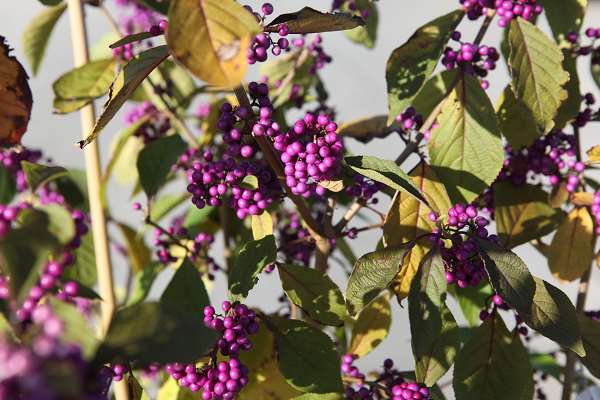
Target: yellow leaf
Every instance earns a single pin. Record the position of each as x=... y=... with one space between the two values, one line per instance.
x=15 y=98
x=211 y=38
x=372 y=326
x=408 y=219
x=333 y=186
x=262 y=225
x=582 y=199
x=593 y=155
x=571 y=250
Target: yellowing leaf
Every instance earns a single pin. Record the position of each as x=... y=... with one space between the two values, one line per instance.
x=571 y=248
x=582 y=199
x=408 y=219
x=15 y=97
x=372 y=326
x=268 y=383
x=262 y=225
x=593 y=155
x=211 y=38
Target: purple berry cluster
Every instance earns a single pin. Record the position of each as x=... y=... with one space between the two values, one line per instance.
x=588 y=113
x=596 y=211
x=155 y=126
x=251 y=184
x=409 y=120
x=296 y=244
x=138 y=19
x=477 y=60
x=54 y=269
x=223 y=379
x=363 y=189
x=497 y=303
x=390 y=381
x=551 y=157
x=8 y=215
x=11 y=160
x=463 y=264
x=590 y=49
x=28 y=369
x=177 y=235
x=311 y=153
x=506 y=10
x=262 y=42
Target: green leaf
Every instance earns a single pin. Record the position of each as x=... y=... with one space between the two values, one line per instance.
x=262 y=225
x=516 y=121
x=367 y=34
x=136 y=391
x=372 y=273
x=309 y=20
x=138 y=253
x=595 y=69
x=73 y=187
x=572 y=247
x=590 y=331
x=538 y=77
x=87 y=82
x=201 y=220
x=37 y=175
x=493 y=365
x=128 y=79
x=165 y=204
x=50 y=2
x=472 y=300
x=547 y=364
x=466 y=149
x=84 y=269
x=76 y=329
x=386 y=172
x=411 y=64
x=564 y=16
x=523 y=214
x=435 y=90
x=372 y=326
x=60 y=223
x=434 y=331
x=136 y=37
x=142 y=282
x=161 y=6
x=8 y=186
x=250 y=261
x=124 y=151
x=542 y=306
x=37 y=34
x=156 y=160
x=186 y=290
x=215 y=50
x=307 y=357
x=145 y=333
x=314 y=292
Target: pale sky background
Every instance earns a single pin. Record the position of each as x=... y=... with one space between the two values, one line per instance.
x=357 y=88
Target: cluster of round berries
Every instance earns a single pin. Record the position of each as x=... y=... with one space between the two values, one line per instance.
x=221 y=380
x=155 y=126
x=259 y=48
x=461 y=260
x=587 y=114
x=177 y=235
x=363 y=189
x=138 y=19
x=28 y=369
x=8 y=215
x=476 y=60
x=579 y=49
x=296 y=244
x=396 y=387
x=596 y=211
x=507 y=10
x=11 y=160
x=54 y=270
x=311 y=153
x=551 y=156
x=409 y=120
x=118 y=371
x=70 y=294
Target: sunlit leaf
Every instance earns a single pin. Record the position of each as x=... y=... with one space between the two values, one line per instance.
x=571 y=251
x=372 y=326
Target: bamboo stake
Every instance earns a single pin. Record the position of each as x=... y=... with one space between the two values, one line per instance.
x=79 y=42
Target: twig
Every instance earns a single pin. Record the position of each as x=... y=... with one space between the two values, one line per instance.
x=93 y=175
